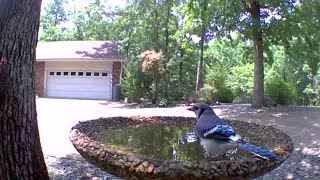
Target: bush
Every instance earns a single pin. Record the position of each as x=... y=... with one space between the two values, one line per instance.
x=206 y=94
x=241 y=83
x=215 y=89
x=163 y=102
x=281 y=92
x=225 y=95
x=211 y=95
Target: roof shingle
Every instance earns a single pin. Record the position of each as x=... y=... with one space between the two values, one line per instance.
x=78 y=50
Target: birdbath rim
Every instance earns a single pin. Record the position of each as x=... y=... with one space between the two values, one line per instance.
x=84 y=138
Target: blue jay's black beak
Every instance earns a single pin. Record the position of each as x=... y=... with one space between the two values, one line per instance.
x=190 y=109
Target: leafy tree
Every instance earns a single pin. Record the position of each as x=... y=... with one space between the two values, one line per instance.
x=52 y=22
x=146 y=33
x=302 y=51
x=280 y=36
x=153 y=62
x=223 y=57
x=92 y=22
x=253 y=20
x=242 y=82
x=129 y=31
x=197 y=23
x=21 y=156
x=228 y=52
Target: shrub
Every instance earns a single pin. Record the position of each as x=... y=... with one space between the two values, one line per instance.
x=211 y=95
x=225 y=95
x=206 y=94
x=281 y=92
x=162 y=102
x=241 y=83
x=215 y=88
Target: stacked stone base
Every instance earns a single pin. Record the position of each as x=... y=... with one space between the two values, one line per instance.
x=84 y=138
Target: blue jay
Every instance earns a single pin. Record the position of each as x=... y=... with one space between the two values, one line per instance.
x=217 y=136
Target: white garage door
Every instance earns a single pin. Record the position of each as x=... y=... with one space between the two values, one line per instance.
x=79 y=84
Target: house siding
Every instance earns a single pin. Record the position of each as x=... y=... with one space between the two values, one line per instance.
x=39 y=78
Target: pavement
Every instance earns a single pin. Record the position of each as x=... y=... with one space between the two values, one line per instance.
x=57 y=116
x=302 y=126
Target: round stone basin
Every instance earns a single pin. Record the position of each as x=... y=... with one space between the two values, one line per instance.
x=167 y=148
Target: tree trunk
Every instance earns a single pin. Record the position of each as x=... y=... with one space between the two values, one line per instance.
x=258 y=91
x=180 y=76
x=21 y=155
x=166 y=49
x=199 y=81
x=200 y=68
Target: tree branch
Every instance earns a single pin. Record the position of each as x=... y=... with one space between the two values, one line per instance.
x=245 y=6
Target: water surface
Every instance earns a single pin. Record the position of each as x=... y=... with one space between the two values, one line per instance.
x=161 y=141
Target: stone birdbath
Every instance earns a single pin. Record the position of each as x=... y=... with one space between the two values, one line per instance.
x=94 y=140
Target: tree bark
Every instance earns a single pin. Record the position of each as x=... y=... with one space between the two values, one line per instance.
x=166 y=49
x=21 y=155
x=199 y=81
x=258 y=91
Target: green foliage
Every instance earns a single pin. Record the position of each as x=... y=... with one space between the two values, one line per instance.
x=135 y=83
x=226 y=95
x=206 y=94
x=52 y=22
x=211 y=95
x=215 y=88
x=281 y=92
x=228 y=52
x=129 y=85
x=163 y=102
x=91 y=22
x=241 y=82
x=291 y=46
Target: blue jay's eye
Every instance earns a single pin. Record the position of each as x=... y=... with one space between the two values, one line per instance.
x=195 y=107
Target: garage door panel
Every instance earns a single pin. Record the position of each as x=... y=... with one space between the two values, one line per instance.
x=79 y=94
x=96 y=87
x=77 y=89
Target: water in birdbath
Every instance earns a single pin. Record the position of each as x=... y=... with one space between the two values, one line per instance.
x=162 y=141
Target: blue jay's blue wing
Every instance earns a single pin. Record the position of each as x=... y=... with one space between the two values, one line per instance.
x=221 y=132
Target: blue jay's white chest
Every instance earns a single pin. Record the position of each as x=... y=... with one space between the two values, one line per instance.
x=216 y=147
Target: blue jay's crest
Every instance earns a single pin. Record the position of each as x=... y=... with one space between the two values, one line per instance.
x=219 y=136
x=200 y=107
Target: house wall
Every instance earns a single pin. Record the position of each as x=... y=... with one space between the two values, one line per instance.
x=39 y=78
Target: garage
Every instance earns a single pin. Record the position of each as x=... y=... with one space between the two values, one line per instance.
x=79 y=84
x=79 y=79
x=78 y=69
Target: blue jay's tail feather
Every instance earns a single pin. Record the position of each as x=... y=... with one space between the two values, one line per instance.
x=263 y=153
